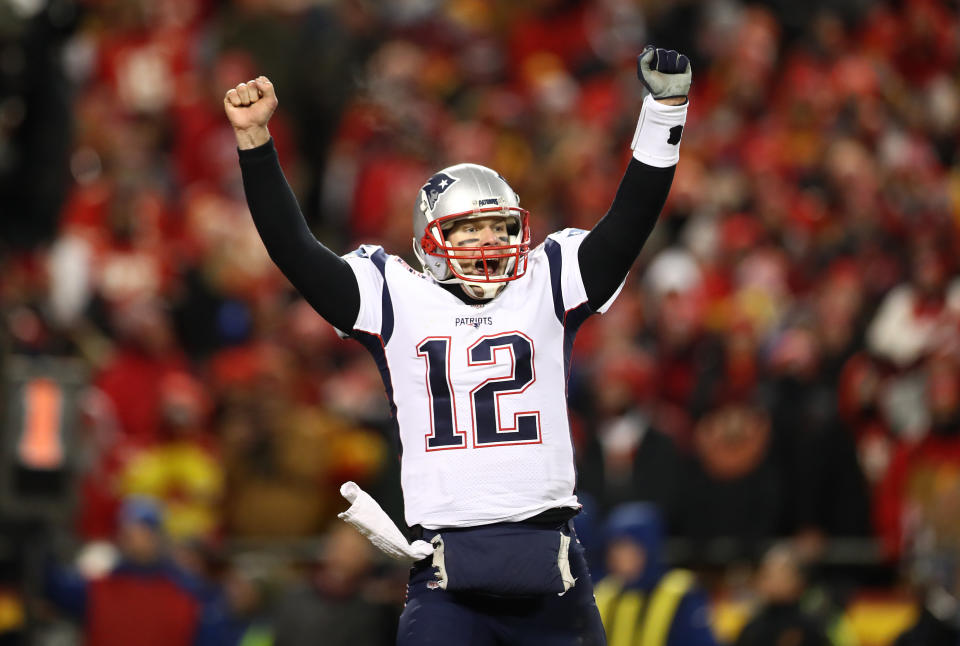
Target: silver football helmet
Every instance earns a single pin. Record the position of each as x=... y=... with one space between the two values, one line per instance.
x=462 y=192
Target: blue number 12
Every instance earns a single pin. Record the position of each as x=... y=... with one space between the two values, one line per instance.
x=488 y=428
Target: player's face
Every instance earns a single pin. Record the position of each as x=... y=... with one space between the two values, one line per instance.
x=478 y=232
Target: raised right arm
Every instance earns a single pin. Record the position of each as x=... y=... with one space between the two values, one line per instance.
x=322 y=277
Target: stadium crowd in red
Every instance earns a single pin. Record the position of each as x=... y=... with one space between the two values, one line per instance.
x=785 y=362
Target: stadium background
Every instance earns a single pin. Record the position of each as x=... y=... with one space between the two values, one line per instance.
x=784 y=362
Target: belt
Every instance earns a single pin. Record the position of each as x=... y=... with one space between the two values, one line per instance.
x=552 y=516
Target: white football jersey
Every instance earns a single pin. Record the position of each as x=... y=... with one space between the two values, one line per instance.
x=478 y=391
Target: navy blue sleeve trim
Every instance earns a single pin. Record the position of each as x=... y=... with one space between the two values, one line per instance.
x=571 y=323
x=555 y=261
x=379 y=259
x=375 y=346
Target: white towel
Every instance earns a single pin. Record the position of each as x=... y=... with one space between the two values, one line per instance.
x=370 y=519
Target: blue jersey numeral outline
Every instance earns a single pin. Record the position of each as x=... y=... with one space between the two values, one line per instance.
x=488 y=427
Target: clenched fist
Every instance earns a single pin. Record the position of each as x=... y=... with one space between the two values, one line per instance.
x=665 y=73
x=249 y=107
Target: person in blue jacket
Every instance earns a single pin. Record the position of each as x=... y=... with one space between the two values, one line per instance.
x=145 y=598
x=641 y=600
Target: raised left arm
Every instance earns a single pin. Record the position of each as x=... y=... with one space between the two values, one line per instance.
x=609 y=250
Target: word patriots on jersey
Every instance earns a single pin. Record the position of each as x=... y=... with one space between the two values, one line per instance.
x=475 y=321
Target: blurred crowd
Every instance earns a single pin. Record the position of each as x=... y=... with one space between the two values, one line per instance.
x=783 y=363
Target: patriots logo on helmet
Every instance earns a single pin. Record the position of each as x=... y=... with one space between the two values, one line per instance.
x=434 y=187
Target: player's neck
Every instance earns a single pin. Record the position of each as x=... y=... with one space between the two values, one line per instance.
x=457 y=290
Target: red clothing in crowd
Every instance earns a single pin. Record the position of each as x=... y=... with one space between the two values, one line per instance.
x=916 y=476
x=132 y=382
x=147 y=610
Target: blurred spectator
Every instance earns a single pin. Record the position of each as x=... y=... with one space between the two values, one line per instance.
x=933 y=557
x=823 y=480
x=732 y=486
x=641 y=600
x=284 y=461
x=143 y=599
x=781 y=583
x=682 y=346
x=922 y=314
x=340 y=604
x=145 y=355
x=920 y=470
x=785 y=353
x=35 y=120
x=182 y=470
x=238 y=616
x=625 y=457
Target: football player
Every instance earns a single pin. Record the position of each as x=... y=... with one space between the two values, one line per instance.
x=474 y=351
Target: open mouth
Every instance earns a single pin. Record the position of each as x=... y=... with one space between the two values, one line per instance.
x=492 y=266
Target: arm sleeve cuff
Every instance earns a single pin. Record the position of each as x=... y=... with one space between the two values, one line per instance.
x=657 y=139
x=260 y=153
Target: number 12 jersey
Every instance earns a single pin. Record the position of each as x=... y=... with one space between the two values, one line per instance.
x=478 y=391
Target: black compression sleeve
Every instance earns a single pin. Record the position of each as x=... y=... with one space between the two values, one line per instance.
x=323 y=278
x=609 y=250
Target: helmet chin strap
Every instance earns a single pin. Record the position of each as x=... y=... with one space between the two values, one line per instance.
x=482 y=291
